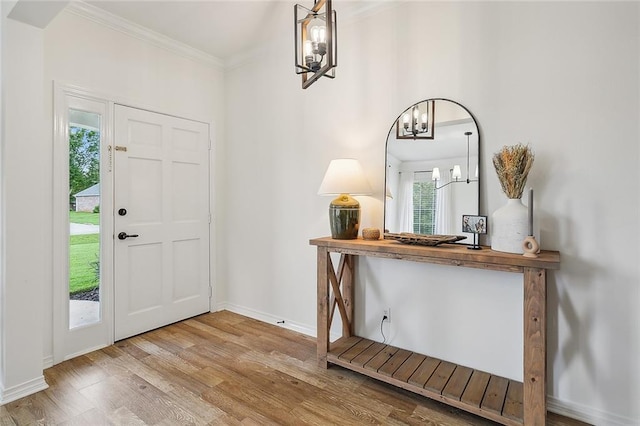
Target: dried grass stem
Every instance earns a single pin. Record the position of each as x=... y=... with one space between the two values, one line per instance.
x=512 y=164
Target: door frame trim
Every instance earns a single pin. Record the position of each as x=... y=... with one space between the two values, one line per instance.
x=66 y=97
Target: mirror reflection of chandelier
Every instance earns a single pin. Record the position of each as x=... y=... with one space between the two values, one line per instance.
x=456 y=172
x=417 y=122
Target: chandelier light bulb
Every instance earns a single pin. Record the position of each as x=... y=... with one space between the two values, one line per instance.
x=322 y=34
x=319 y=34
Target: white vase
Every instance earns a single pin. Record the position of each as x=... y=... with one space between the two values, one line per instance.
x=509 y=227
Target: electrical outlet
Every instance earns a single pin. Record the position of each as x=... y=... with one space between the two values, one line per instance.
x=386 y=314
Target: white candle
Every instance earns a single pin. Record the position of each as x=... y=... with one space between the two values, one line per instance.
x=531 y=211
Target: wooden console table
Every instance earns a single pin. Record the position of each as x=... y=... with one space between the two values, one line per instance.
x=502 y=400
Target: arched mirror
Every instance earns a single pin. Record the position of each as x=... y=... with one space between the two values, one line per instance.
x=432 y=175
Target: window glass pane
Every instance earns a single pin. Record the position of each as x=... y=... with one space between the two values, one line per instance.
x=84 y=218
x=424 y=207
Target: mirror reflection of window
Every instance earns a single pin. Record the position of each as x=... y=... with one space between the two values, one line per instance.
x=424 y=204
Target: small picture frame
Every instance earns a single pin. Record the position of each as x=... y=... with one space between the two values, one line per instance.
x=474 y=225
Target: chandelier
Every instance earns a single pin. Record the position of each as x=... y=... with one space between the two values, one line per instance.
x=315 y=41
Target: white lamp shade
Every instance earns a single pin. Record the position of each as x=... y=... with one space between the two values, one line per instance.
x=344 y=176
x=457 y=173
x=435 y=174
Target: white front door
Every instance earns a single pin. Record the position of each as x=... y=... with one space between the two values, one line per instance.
x=161 y=225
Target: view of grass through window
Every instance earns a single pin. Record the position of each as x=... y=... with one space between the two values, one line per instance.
x=84 y=255
x=84 y=206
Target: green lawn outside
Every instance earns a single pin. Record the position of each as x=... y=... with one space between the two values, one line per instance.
x=84 y=218
x=83 y=251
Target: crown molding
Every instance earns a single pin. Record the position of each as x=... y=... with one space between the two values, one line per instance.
x=131 y=29
x=351 y=11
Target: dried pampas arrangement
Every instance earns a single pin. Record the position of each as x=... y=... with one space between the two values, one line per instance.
x=512 y=165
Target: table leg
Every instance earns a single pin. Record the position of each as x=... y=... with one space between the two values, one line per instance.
x=535 y=347
x=323 y=307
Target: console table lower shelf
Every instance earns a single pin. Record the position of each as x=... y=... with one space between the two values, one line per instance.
x=475 y=391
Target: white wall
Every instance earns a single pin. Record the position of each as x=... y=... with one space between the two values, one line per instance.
x=23 y=212
x=560 y=76
x=77 y=51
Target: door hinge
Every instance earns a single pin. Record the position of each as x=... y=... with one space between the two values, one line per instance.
x=121 y=148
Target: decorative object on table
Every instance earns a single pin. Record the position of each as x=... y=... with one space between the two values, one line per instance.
x=371 y=234
x=474 y=225
x=344 y=177
x=422 y=239
x=315 y=37
x=530 y=246
x=509 y=223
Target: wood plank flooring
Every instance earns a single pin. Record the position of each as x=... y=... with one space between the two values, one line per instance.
x=222 y=369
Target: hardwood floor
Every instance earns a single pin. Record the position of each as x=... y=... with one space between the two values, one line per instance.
x=222 y=368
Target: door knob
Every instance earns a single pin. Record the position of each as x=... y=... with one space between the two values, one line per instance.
x=124 y=236
x=122 y=212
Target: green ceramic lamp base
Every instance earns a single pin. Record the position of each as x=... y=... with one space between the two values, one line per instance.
x=344 y=217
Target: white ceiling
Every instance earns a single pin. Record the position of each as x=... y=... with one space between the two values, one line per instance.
x=224 y=29
x=221 y=28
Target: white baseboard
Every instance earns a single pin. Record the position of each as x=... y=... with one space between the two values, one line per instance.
x=47 y=362
x=268 y=318
x=20 y=391
x=588 y=414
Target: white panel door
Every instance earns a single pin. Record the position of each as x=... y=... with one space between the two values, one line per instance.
x=161 y=204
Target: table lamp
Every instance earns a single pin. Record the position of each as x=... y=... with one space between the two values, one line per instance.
x=344 y=177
